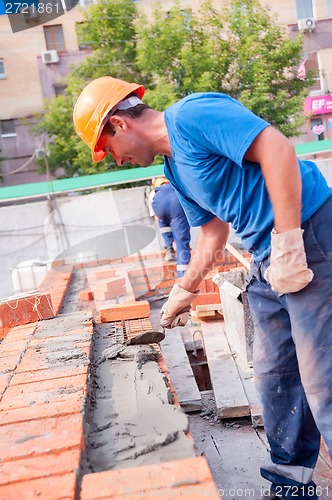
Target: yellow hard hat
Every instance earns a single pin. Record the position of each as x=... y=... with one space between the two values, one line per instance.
x=93 y=106
x=158 y=181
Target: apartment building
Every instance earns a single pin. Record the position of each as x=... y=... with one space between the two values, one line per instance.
x=35 y=61
x=33 y=66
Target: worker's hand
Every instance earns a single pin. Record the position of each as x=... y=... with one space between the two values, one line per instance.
x=175 y=311
x=288 y=271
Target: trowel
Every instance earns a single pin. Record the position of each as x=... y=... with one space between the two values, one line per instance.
x=149 y=337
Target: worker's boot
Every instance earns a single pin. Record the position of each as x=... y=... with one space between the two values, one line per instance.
x=170 y=254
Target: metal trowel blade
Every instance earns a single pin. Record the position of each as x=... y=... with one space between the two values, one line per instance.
x=151 y=337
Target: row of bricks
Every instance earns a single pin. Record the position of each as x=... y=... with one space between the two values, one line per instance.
x=42 y=444
x=41 y=421
x=189 y=477
x=150 y=281
x=58 y=264
x=32 y=307
x=45 y=402
x=142 y=281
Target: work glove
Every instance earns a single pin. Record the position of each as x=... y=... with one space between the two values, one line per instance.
x=175 y=311
x=288 y=271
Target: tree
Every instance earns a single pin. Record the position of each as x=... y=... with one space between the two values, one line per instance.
x=263 y=73
x=243 y=51
x=108 y=28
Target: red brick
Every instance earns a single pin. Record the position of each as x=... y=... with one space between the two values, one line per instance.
x=205 y=298
x=35 y=360
x=125 y=311
x=49 y=488
x=139 y=289
x=104 y=273
x=10 y=363
x=43 y=392
x=166 y=284
x=191 y=475
x=38 y=467
x=12 y=347
x=24 y=310
x=36 y=412
x=86 y=295
x=111 y=294
x=210 y=286
x=49 y=333
x=23 y=332
x=4 y=382
x=110 y=284
x=26 y=439
x=56 y=371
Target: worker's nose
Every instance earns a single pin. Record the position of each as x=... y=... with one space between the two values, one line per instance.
x=118 y=160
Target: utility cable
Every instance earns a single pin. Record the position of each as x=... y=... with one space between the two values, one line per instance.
x=23 y=166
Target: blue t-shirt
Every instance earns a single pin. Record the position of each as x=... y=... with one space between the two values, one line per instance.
x=209 y=135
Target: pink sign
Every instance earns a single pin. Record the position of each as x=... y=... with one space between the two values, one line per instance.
x=318 y=105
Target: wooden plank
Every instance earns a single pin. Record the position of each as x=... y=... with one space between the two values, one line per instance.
x=180 y=371
x=230 y=397
x=246 y=375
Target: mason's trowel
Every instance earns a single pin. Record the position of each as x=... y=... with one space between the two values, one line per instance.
x=150 y=337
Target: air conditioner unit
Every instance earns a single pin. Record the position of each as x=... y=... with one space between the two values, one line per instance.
x=50 y=56
x=306 y=24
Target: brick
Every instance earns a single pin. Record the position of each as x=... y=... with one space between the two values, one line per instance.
x=35 y=412
x=205 y=298
x=56 y=371
x=191 y=475
x=34 y=360
x=68 y=341
x=43 y=392
x=110 y=284
x=27 y=439
x=38 y=467
x=104 y=273
x=110 y=294
x=23 y=332
x=165 y=284
x=120 y=312
x=4 y=382
x=55 y=334
x=24 y=310
x=9 y=363
x=86 y=295
x=12 y=347
x=50 y=488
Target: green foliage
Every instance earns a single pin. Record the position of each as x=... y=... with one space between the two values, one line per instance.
x=264 y=66
x=242 y=51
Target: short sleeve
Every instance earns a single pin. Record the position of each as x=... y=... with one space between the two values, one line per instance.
x=219 y=124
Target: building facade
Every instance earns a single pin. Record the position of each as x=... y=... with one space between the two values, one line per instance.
x=34 y=63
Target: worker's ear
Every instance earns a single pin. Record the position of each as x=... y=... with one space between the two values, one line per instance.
x=118 y=122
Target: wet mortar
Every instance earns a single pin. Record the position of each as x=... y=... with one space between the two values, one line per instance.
x=233 y=449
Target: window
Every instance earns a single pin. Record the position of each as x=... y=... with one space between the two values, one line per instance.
x=313 y=63
x=329 y=7
x=54 y=38
x=304 y=9
x=82 y=45
x=59 y=89
x=7 y=128
x=2 y=69
x=318 y=129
